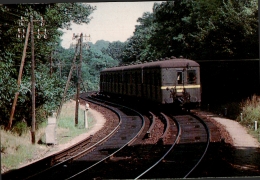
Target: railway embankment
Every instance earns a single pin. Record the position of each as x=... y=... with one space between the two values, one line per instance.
x=246 y=148
x=17 y=151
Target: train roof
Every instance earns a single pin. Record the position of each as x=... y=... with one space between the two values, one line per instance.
x=176 y=62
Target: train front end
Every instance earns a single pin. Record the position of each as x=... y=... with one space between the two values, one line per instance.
x=181 y=83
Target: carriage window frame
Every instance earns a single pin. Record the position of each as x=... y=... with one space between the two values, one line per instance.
x=179 y=78
x=191 y=76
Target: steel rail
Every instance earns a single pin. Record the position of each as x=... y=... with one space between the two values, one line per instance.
x=148 y=133
x=208 y=141
x=176 y=140
x=128 y=143
x=88 y=149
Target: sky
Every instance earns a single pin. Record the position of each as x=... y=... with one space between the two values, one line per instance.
x=111 y=21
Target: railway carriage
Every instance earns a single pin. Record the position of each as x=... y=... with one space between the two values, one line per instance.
x=172 y=80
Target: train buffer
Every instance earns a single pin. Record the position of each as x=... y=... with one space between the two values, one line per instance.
x=50 y=131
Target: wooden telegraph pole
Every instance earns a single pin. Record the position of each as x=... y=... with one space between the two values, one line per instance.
x=79 y=81
x=19 y=78
x=42 y=22
x=29 y=29
x=79 y=78
x=68 y=80
x=33 y=82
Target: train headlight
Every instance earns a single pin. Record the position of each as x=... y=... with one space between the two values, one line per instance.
x=193 y=99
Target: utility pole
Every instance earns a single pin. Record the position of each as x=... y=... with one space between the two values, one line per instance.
x=33 y=73
x=79 y=80
x=20 y=75
x=33 y=82
x=42 y=22
x=68 y=80
x=21 y=34
x=79 y=77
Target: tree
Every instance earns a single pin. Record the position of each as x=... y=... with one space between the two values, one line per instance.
x=115 y=49
x=47 y=88
x=202 y=29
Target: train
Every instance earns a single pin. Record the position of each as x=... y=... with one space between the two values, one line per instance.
x=165 y=81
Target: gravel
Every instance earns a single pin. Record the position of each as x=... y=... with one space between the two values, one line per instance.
x=239 y=152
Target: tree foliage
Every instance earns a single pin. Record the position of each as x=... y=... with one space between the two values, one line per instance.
x=202 y=29
x=49 y=88
x=95 y=59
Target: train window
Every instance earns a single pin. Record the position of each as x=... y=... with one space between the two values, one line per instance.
x=133 y=78
x=157 y=80
x=125 y=78
x=191 y=77
x=130 y=78
x=144 y=78
x=137 y=78
x=180 y=77
x=115 y=78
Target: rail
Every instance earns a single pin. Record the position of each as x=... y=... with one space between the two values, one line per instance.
x=206 y=149
x=86 y=150
x=126 y=144
x=148 y=133
x=169 y=150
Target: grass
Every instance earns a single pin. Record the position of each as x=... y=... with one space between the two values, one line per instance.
x=251 y=113
x=250 y=109
x=17 y=149
x=66 y=123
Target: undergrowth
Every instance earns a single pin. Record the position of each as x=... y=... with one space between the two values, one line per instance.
x=66 y=123
x=250 y=112
x=16 y=146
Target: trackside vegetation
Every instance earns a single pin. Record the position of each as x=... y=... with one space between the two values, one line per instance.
x=198 y=30
x=250 y=113
x=52 y=61
x=246 y=112
x=16 y=148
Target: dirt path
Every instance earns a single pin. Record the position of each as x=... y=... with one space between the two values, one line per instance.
x=238 y=133
x=247 y=149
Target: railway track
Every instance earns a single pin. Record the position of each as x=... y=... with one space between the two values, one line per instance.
x=137 y=158
x=141 y=160
x=152 y=145
x=187 y=153
x=60 y=159
x=129 y=120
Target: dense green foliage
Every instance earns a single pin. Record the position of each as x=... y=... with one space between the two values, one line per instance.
x=49 y=88
x=95 y=57
x=202 y=29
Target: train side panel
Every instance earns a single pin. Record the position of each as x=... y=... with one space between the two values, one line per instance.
x=162 y=82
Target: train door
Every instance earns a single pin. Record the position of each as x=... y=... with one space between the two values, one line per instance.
x=180 y=79
x=157 y=85
x=121 y=82
x=139 y=83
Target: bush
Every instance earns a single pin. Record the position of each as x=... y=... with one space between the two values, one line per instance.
x=20 y=128
x=40 y=116
x=250 y=111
